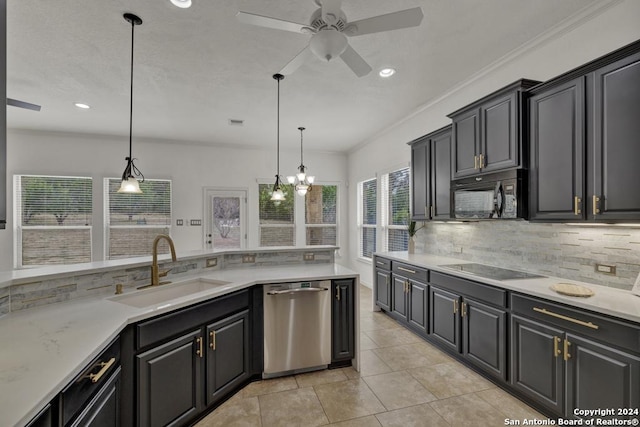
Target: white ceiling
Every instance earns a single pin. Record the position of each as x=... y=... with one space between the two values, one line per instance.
x=197 y=68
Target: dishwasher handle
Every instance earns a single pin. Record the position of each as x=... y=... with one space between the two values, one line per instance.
x=292 y=291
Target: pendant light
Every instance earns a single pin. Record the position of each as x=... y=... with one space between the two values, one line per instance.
x=277 y=195
x=131 y=174
x=302 y=181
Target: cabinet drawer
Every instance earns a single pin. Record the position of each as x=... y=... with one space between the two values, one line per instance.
x=383 y=263
x=618 y=333
x=83 y=387
x=172 y=324
x=411 y=272
x=469 y=288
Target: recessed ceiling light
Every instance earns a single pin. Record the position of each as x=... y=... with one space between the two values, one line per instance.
x=387 y=72
x=182 y=3
x=81 y=105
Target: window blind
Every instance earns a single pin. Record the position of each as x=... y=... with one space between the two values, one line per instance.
x=396 y=209
x=367 y=198
x=321 y=215
x=132 y=221
x=276 y=223
x=53 y=219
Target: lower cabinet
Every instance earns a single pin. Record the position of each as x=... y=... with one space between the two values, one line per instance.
x=445 y=321
x=44 y=418
x=382 y=285
x=343 y=320
x=562 y=371
x=410 y=296
x=104 y=408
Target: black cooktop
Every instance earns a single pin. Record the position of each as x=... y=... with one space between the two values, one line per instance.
x=490 y=272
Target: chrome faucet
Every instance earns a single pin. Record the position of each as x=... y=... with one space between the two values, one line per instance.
x=155 y=273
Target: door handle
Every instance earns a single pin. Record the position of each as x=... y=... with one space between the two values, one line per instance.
x=567 y=356
x=212 y=340
x=455 y=306
x=596 y=199
x=556 y=345
x=199 y=350
x=483 y=161
x=475 y=162
x=576 y=205
x=338 y=293
x=464 y=309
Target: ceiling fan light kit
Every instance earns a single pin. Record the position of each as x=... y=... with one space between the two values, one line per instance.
x=182 y=4
x=131 y=177
x=329 y=29
x=277 y=195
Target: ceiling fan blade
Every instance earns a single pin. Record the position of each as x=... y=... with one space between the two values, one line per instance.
x=354 y=61
x=22 y=104
x=297 y=61
x=391 y=21
x=268 y=22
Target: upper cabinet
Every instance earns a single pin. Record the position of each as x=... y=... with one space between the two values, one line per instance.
x=431 y=176
x=584 y=151
x=488 y=134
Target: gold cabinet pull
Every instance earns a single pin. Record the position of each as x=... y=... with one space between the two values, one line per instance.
x=104 y=367
x=475 y=162
x=379 y=262
x=567 y=356
x=464 y=309
x=556 y=346
x=432 y=212
x=576 y=205
x=407 y=270
x=455 y=306
x=596 y=199
x=199 y=351
x=482 y=161
x=212 y=340
x=567 y=318
x=338 y=293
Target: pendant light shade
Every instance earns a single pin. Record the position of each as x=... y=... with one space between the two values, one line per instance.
x=131 y=177
x=277 y=195
x=302 y=181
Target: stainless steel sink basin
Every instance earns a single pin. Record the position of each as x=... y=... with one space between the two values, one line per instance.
x=164 y=293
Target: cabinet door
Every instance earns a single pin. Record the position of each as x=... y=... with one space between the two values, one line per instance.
x=104 y=408
x=417 y=306
x=227 y=355
x=399 y=297
x=616 y=147
x=420 y=181
x=466 y=140
x=170 y=382
x=44 y=418
x=343 y=320
x=499 y=142
x=383 y=289
x=484 y=337
x=444 y=320
x=536 y=362
x=600 y=377
x=440 y=161
x=557 y=153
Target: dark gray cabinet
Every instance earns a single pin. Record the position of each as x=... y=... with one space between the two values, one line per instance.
x=343 y=320
x=584 y=150
x=399 y=286
x=44 y=418
x=431 y=176
x=444 y=324
x=488 y=134
x=104 y=408
x=382 y=285
x=410 y=296
x=170 y=381
x=227 y=358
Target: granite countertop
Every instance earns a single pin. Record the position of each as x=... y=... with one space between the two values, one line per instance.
x=610 y=301
x=44 y=348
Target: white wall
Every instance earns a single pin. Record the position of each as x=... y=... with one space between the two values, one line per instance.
x=190 y=167
x=582 y=40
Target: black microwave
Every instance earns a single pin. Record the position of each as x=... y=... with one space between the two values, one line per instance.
x=500 y=195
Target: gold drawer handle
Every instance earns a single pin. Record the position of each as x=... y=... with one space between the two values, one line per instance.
x=567 y=318
x=380 y=263
x=407 y=270
x=105 y=367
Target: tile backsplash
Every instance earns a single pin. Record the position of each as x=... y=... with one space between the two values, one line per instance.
x=559 y=250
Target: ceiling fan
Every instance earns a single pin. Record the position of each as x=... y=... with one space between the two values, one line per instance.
x=329 y=30
x=22 y=104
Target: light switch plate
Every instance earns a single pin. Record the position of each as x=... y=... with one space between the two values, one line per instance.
x=196 y=222
x=606 y=269
x=248 y=258
x=179 y=222
x=211 y=262
x=309 y=256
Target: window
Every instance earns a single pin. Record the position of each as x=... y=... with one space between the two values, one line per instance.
x=367 y=217
x=395 y=210
x=277 y=223
x=132 y=221
x=53 y=220
x=321 y=215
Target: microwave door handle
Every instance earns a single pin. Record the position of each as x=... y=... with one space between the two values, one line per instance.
x=500 y=199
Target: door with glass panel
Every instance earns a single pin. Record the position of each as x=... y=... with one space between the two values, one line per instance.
x=225 y=226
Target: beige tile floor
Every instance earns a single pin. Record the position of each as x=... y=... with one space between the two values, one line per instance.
x=403 y=382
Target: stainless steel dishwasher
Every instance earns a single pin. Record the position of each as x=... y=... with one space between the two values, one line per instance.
x=297 y=327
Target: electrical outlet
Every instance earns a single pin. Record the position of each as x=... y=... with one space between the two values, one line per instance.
x=211 y=262
x=248 y=258
x=606 y=269
x=195 y=222
x=179 y=222
x=309 y=256
x=457 y=249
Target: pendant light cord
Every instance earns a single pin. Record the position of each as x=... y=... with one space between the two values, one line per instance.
x=278 y=135
x=131 y=97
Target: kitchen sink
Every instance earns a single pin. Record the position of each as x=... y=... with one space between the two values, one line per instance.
x=164 y=293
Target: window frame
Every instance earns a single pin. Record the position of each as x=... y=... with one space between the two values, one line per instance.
x=294 y=225
x=385 y=206
x=360 y=222
x=336 y=225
